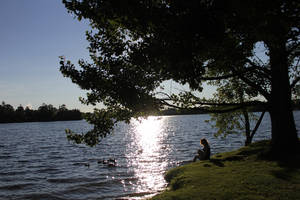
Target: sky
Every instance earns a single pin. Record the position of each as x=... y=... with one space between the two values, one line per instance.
x=33 y=34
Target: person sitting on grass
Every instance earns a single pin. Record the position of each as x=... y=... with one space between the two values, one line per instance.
x=203 y=154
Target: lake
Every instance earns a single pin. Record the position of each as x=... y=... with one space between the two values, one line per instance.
x=37 y=161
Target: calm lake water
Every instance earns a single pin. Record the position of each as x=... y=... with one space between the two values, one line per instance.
x=37 y=161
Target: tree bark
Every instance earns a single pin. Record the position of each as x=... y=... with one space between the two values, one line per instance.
x=284 y=134
x=247 y=128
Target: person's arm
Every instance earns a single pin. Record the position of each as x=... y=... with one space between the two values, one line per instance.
x=200 y=153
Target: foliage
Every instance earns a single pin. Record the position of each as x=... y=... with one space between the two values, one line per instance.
x=44 y=113
x=136 y=45
x=241 y=174
x=239 y=121
x=7 y=112
x=229 y=123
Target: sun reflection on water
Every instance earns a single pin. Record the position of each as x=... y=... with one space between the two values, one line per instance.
x=149 y=155
x=147 y=132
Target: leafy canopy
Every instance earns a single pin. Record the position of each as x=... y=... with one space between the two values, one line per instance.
x=136 y=45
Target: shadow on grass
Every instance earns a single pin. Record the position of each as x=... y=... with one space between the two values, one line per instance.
x=289 y=164
x=255 y=150
x=217 y=162
x=258 y=149
x=289 y=167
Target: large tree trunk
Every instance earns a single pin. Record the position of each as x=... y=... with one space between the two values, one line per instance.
x=284 y=135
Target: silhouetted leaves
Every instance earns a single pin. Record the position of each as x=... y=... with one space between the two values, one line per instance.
x=136 y=45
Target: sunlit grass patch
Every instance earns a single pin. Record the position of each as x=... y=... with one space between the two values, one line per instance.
x=241 y=174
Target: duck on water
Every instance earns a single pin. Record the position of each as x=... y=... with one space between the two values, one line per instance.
x=111 y=162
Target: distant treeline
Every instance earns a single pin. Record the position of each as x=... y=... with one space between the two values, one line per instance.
x=44 y=113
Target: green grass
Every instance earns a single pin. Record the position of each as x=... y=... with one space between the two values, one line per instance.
x=241 y=174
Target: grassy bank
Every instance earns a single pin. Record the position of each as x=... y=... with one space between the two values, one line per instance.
x=241 y=174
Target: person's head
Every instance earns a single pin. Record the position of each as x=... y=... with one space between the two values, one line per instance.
x=203 y=142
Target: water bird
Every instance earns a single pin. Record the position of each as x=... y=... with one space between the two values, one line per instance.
x=140 y=151
x=111 y=162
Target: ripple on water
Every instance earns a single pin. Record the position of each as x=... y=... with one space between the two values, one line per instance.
x=55 y=157
x=136 y=195
x=23 y=161
x=13 y=173
x=78 y=189
x=49 y=171
x=71 y=180
x=4 y=157
x=43 y=196
x=19 y=186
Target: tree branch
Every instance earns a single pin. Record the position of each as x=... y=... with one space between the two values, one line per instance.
x=255 y=86
x=233 y=106
x=258 y=123
x=228 y=75
x=247 y=103
x=265 y=72
x=213 y=78
x=296 y=80
x=165 y=94
x=293 y=47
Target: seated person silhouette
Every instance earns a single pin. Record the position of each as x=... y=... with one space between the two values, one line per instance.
x=203 y=154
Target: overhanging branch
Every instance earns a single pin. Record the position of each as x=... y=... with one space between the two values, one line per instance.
x=295 y=81
x=228 y=75
x=256 y=87
x=247 y=103
x=231 y=106
x=263 y=71
x=292 y=48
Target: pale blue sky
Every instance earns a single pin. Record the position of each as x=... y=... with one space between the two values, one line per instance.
x=33 y=34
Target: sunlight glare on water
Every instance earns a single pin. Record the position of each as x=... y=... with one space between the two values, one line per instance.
x=148 y=131
x=150 y=161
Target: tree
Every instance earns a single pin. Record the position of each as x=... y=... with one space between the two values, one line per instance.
x=30 y=115
x=61 y=113
x=20 y=114
x=7 y=113
x=64 y=114
x=239 y=121
x=136 y=45
x=46 y=112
